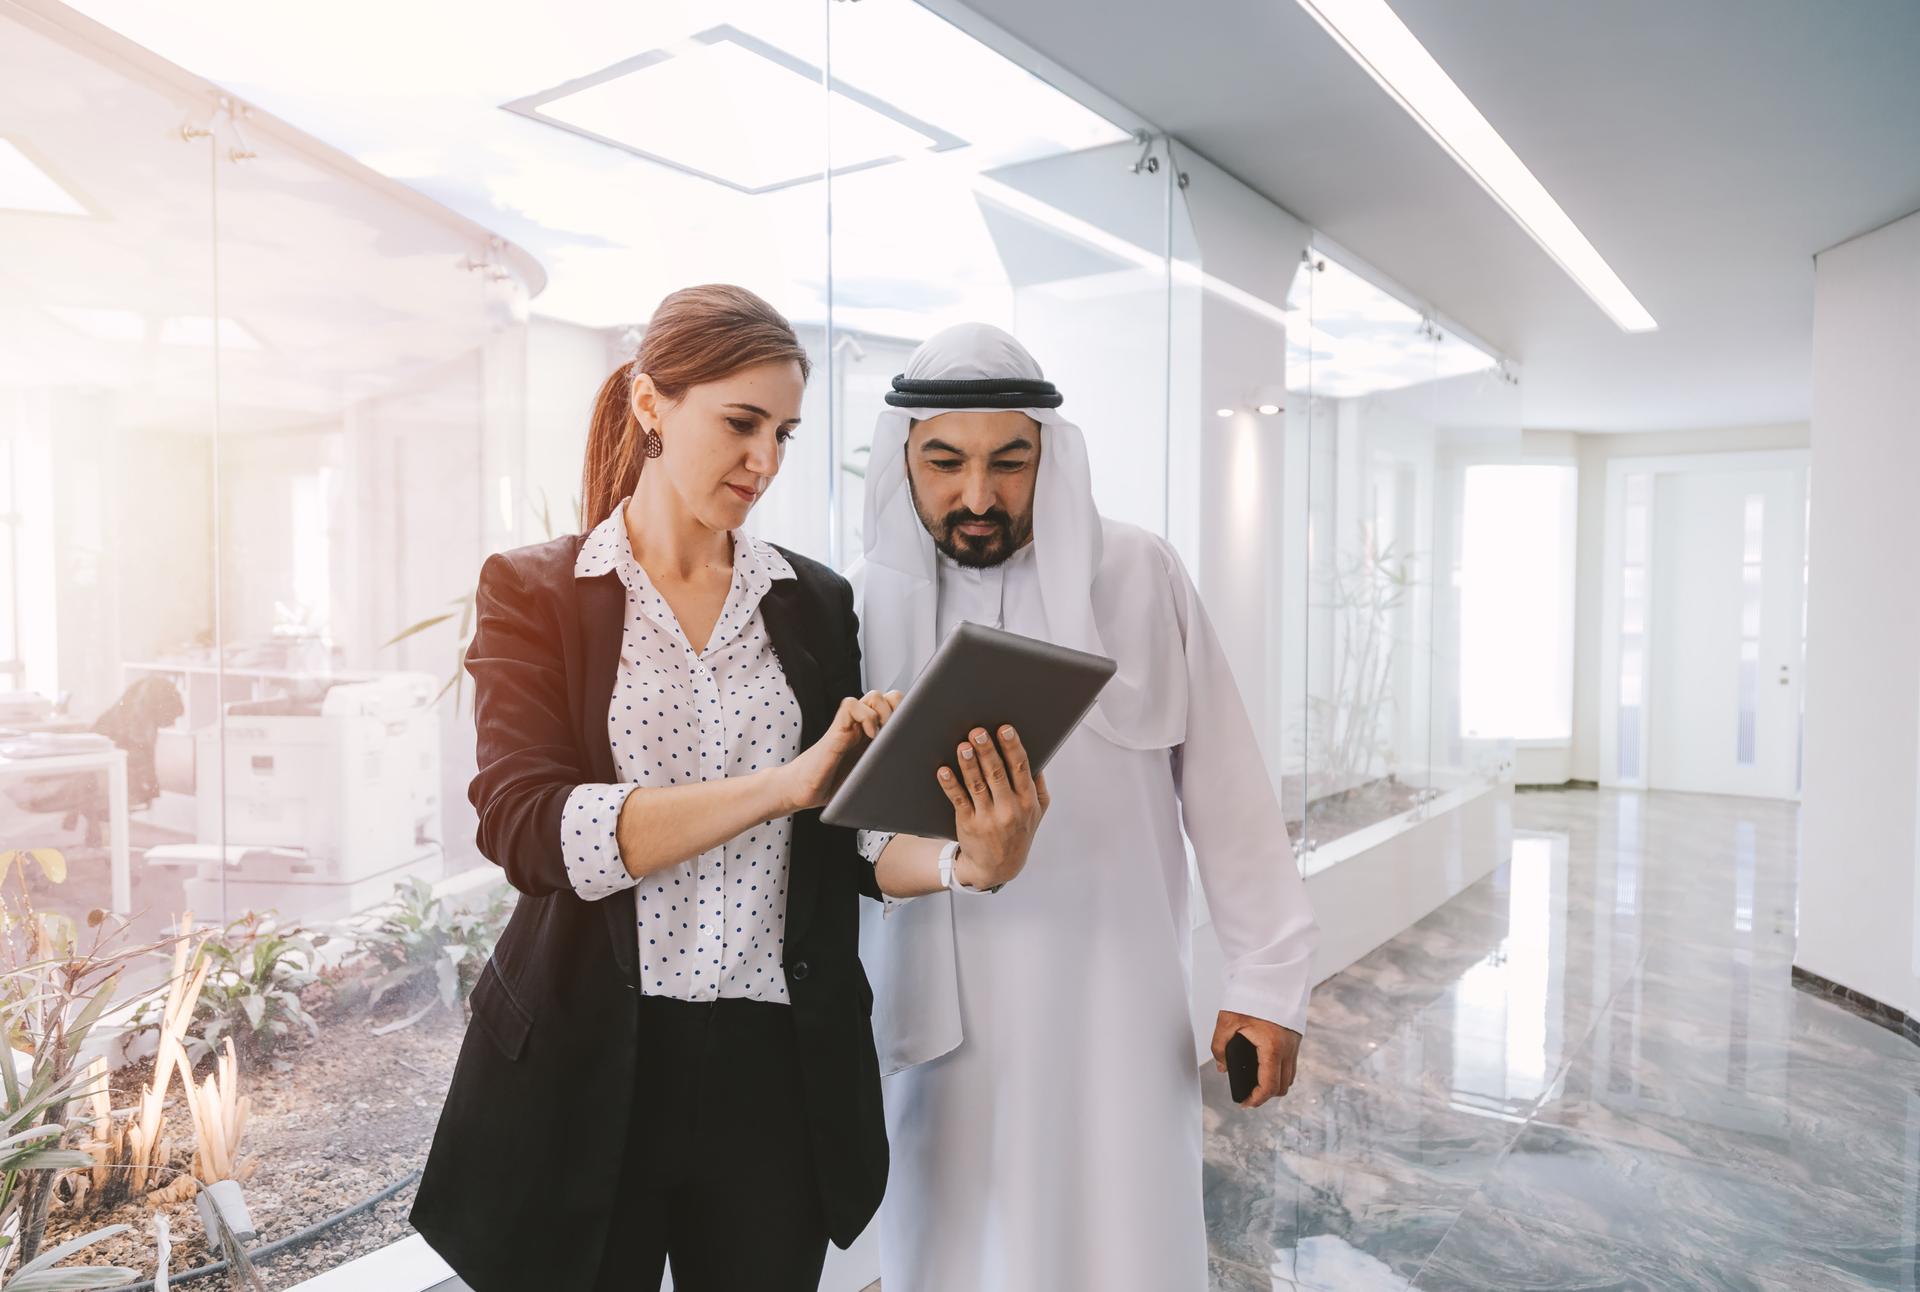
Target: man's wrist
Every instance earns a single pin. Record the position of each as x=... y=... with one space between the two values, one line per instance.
x=966 y=872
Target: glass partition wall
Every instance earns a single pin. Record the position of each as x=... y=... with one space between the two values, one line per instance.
x=1387 y=410
x=261 y=411
x=257 y=405
x=264 y=410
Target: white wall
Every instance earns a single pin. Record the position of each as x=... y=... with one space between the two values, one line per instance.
x=1580 y=760
x=1858 y=920
x=565 y=365
x=1240 y=482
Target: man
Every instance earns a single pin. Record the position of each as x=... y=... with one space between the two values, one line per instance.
x=1043 y=1105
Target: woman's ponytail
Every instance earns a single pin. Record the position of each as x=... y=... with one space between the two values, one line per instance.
x=613 y=449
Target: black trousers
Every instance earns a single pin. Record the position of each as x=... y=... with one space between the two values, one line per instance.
x=719 y=1176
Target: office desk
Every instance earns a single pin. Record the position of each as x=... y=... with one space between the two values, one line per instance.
x=114 y=763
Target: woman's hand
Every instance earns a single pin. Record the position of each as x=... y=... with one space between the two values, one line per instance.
x=997 y=805
x=810 y=779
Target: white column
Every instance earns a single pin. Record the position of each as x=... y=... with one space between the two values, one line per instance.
x=1859 y=895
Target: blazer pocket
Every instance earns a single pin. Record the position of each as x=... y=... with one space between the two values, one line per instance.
x=499 y=1014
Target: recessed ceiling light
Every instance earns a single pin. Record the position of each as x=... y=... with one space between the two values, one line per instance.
x=24 y=186
x=1376 y=38
x=1268 y=410
x=1223 y=412
x=734 y=109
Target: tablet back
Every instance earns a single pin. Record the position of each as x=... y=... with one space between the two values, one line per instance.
x=979 y=677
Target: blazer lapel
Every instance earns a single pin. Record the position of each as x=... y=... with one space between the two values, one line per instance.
x=783 y=609
x=603 y=622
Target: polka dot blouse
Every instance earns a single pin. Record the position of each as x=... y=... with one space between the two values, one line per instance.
x=712 y=926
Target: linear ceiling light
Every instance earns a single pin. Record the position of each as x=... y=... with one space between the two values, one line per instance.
x=1376 y=38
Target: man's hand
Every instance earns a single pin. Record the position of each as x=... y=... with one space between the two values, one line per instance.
x=1279 y=1049
x=997 y=805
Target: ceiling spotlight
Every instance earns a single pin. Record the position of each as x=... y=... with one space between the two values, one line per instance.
x=1268 y=410
x=1223 y=412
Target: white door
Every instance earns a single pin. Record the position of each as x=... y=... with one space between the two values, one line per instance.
x=1726 y=570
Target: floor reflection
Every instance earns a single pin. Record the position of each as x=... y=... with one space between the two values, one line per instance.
x=1590 y=1070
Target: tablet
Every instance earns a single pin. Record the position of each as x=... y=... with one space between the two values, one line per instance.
x=980 y=677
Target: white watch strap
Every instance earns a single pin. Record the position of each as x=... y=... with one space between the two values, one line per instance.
x=948 y=855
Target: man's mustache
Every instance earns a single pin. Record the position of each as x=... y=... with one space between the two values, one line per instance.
x=996 y=517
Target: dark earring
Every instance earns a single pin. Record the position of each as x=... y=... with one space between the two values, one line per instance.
x=654 y=448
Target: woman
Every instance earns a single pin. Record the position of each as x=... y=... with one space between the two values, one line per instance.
x=672 y=1055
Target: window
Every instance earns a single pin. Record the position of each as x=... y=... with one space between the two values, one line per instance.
x=1516 y=618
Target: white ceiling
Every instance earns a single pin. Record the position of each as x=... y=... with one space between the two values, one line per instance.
x=334 y=287
x=421 y=101
x=1707 y=149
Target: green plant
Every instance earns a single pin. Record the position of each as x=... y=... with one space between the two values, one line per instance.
x=1346 y=731
x=424 y=941
x=257 y=972
x=53 y=990
x=219 y=1118
x=143 y=1146
x=32 y=1157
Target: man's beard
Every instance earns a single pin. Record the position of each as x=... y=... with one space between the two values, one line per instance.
x=976 y=551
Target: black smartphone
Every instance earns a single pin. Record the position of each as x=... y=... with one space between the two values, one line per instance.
x=1243 y=1067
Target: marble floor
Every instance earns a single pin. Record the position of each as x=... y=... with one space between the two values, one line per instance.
x=1590 y=1070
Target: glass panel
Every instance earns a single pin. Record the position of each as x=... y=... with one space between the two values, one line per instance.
x=1750 y=601
x=1632 y=699
x=1629 y=741
x=1633 y=623
x=1032 y=218
x=109 y=428
x=1755 y=514
x=1636 y=528
x=1633 y=600
x=1394 y=409
x=9 y=573
x=388 y=414
x=1749 y=700
x=1632 y=678
x=372 y=444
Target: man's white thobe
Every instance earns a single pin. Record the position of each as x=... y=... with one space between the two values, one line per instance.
x=1057 y=1148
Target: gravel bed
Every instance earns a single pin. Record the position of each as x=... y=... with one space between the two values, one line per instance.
x=353 y=1114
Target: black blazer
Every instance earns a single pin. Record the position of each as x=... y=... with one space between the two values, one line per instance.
x=518 y=1187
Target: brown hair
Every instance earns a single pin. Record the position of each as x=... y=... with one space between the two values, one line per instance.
x=697 y=335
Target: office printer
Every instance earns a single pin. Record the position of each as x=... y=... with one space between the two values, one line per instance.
x=336 y=787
